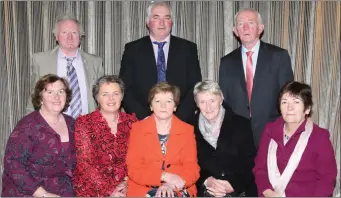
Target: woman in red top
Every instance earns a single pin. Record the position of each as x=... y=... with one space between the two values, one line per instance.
x=101 y=139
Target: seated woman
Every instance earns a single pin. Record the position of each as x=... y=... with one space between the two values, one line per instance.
x=101 y=143
x=295 y=157
x=225 y=146
x=162 y=156
x=40 y=153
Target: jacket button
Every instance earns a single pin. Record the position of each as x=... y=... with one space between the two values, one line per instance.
x=222 y=174
x=168 y=165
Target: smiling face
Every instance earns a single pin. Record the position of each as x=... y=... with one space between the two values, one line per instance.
x=109 y=97
x=163 y=105
x=247 y=28
x=293 y=109
x=159 y=22
x=53 y=97
x=209 y=104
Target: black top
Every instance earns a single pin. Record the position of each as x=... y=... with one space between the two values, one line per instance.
x=233 y=158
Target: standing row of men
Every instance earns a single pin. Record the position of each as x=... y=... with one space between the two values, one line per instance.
x=250 y=76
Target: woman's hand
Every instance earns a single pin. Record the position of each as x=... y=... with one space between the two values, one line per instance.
x=270 y=193
x=174 y=181
x=165 y=190
x=218 y=188
x=120 y=190
x=41 y=192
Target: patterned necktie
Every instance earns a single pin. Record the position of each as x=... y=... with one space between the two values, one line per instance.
x=249 y=74
x=76 y=103
x=161 y=62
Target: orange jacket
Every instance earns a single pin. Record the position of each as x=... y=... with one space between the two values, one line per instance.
x=144 y=157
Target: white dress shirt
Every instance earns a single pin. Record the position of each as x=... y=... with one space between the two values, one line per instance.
x=165 y=48
x=255 y=50
x=78 y=65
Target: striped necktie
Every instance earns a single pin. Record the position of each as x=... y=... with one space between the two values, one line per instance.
x=76 y=103
x=161 y=62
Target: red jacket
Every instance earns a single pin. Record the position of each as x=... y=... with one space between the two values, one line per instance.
x=101 y=156
x=144 y=158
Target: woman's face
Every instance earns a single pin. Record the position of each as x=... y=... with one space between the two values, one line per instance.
x=163 y=105
x=292 y=109
x=54 y=97
x=209 y=104
x=109 y=97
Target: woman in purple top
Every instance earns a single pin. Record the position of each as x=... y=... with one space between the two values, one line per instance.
x=40 y=154
x=295 y=156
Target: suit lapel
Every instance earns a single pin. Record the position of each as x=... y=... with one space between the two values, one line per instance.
x=151 y=139
x=50 y=64
x=174 y=144
x=172 y=54
x=239 y=71
x=148 y=58
x=261 y=68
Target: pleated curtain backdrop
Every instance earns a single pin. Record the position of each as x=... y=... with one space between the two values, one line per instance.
x=310 y=30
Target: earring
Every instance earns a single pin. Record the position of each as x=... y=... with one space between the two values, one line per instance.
x=174 y=109
x=151 y=108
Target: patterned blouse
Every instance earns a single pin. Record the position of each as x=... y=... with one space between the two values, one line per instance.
x=35 y=157
x=101 y=156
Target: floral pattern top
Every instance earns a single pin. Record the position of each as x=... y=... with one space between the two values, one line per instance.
x=101 y=156
x=34 y=157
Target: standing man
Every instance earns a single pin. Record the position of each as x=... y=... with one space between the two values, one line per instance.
x=252 y=75
x=156 y=58
x=67 y=60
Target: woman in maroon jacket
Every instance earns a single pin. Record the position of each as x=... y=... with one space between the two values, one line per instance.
x=101 y=140
x=295 y=156
x=40 y=153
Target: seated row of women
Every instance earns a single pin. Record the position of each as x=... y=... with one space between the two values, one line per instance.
x=111 y=153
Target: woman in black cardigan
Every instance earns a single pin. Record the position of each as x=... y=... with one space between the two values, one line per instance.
x=225 y=146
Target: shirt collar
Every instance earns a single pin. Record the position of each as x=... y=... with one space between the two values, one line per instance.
x=167 y=39
x=254 y=49
x=61 y=54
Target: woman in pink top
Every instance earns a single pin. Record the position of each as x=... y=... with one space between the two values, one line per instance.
x=295 y=156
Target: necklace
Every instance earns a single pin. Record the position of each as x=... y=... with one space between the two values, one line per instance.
x=49 y=121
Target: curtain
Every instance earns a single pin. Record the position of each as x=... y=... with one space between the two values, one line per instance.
x=310 y=30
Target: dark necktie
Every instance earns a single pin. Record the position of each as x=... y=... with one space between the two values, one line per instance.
x=76 y=103
x=161 y=62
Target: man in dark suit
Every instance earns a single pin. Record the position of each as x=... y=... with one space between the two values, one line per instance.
x=156 y=58
x=252 y=75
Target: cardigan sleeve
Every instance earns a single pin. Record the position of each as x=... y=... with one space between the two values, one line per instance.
x=325 y=166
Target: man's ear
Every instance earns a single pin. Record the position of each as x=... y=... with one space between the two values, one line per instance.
x=260 y=29
x=235 y=31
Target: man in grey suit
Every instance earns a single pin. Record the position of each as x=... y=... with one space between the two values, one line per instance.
x=67 y=60
x=252 y=75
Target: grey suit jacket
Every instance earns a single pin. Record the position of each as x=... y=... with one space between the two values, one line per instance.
x=46 y=63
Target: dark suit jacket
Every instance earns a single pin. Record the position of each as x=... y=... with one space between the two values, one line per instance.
x=273 y=70
x=139 y=73
x=233 y=159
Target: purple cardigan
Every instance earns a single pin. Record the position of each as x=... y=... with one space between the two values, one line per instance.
x=35 y=157
x=316 y=172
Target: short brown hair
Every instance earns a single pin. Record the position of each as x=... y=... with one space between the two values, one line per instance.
x=41 y=85
x=164 y=87
x=297 y=89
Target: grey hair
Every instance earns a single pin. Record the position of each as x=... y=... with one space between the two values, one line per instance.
x=70 y=17
x=259 y=17
x=106 y=79
x=207 y=86
x=157 y=3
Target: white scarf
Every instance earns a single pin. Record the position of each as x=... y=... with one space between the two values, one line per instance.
x=211 y=131
x=279 y=182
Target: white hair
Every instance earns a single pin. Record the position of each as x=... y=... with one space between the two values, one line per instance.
x=259 y=17
x=70 y=17
x=157 y=3
x=209 y=86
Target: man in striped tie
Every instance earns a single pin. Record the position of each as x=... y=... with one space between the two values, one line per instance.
x=68 y=60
